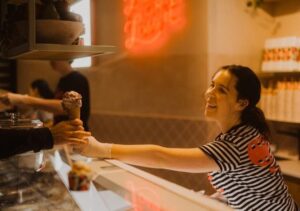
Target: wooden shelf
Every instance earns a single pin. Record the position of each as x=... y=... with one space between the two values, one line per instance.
x=55 y=51
x=24 y=1
x=285 y=155
x=263 y=75
x=271 y=1
x=287 y=123
x=37 y=51
x=290 y=168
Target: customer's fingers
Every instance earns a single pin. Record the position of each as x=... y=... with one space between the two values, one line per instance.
x=79 y=134
x=73 y=125
x=77 y=141
x=75 y=122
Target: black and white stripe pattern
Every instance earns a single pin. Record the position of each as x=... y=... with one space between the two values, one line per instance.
x=246 y=185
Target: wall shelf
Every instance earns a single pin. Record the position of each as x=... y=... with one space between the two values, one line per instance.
x=285 y=155
x=22 y=1
x=294 y=125
x=291 y=129
x=47 y=51
x=279 y=74
x=290 y=168
x=55 y=51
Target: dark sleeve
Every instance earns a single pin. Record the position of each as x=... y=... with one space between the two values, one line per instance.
x=225 y=154
x=22 y=140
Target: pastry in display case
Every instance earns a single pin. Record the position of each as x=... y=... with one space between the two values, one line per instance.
x=79 y=177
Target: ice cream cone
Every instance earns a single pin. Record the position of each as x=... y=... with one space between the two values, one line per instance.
x=74 y=113
x=71 y=103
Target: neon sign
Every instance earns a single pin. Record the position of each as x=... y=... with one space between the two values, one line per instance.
x=150 y=23
x=138 y=199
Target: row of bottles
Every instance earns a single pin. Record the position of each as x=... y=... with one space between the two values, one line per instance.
x=281 y=54
x=280 y=100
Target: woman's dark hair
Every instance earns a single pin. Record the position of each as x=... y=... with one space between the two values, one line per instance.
x=248 y=87
x=43 y=88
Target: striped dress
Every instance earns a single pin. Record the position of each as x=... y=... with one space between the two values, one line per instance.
x=249 y=176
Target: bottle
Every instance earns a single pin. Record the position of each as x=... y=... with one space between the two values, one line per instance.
x=274 y=100
x=289 y=101
x=281 y=100
x=297 y=102
x=262 y=102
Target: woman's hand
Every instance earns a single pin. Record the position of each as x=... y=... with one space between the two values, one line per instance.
x=69 y=132
x=94 y=148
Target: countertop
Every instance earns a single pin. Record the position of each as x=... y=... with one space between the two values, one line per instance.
x=290 y=168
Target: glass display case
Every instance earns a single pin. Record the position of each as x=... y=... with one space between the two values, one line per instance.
x=115 y=186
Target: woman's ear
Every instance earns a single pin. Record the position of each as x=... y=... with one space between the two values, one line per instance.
x=242 y=104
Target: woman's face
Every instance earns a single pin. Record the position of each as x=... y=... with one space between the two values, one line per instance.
x=221 y=97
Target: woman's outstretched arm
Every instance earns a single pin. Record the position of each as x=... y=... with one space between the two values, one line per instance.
x=153 y=156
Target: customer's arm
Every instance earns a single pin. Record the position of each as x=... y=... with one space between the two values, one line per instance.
x=22 y=140
x=51 y=105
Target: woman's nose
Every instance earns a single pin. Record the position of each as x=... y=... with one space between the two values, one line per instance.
x=209 y=93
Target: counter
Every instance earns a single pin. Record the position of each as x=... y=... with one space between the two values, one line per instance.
x=116 y=186
x=24 y=188
x=290 y=168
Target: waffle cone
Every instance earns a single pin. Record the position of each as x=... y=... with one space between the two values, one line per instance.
x=74 y=113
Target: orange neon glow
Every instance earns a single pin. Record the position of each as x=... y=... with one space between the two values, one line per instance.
x=150 y=23
x=138 y=200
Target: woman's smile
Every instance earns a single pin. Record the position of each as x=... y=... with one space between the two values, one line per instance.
x=210 y=106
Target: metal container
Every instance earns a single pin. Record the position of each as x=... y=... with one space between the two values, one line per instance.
x=12 y=121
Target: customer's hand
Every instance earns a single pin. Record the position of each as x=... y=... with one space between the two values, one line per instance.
x=94 y=148
x=69 y=132
x=13 y=99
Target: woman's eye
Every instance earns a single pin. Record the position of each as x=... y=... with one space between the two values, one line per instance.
x=222 y=90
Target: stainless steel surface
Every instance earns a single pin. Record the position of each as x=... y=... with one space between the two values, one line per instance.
x=13 y=121
x=25 y=189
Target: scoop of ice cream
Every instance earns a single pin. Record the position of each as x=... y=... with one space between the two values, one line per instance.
x=71 y=100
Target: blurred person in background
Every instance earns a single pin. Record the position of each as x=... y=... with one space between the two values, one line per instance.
x=70 y=81
x=40 y=88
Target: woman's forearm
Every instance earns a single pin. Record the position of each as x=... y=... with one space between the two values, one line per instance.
x=141 y=155
x=51 y=105
x=154 y=156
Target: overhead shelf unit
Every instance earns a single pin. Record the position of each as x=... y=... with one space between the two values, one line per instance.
x=48 y=51
x=57 y=52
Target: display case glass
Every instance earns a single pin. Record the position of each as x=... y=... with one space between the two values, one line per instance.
x=115 y=186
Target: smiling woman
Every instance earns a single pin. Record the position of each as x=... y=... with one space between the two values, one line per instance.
x=240 y=165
